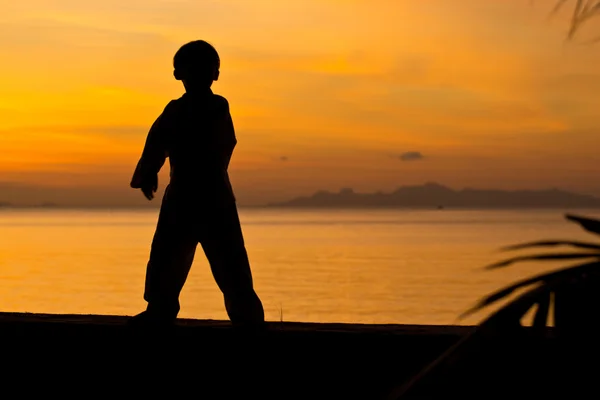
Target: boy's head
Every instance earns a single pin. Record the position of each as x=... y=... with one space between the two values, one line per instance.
x=196 y=63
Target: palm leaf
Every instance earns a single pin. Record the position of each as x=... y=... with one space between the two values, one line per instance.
x=589 y=9
x=586 y=7
x=540 y=320
x=511 y=313
x=582 y=11
x=552 y=243
x=590 y=225
x=507 y=317
x=575 y=17
x=491 y=299
x=546 y=277
x=547 y=257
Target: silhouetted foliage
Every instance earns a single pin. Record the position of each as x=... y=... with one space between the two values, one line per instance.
x=504 y=354
x=501 y=358
x=572 y=293
x=582 y=12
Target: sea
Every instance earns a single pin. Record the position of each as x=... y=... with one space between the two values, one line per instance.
x=353 y=266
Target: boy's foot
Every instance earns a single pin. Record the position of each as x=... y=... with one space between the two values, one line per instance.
x=148 y=319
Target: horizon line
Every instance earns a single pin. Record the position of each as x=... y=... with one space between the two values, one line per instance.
x=283 y=203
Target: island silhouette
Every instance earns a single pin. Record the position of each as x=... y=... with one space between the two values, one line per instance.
x=426 y=196
x=435 y=195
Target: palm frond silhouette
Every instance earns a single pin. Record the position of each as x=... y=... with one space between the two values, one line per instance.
x=583 y=11
x=572 y=287
x=478 y=361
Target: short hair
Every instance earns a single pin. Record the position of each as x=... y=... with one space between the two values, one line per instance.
x=197 y=59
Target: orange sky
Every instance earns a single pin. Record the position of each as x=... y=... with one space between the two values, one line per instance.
x=324 y=94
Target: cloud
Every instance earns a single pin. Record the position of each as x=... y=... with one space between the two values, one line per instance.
x=283 y=158
x=411 y=156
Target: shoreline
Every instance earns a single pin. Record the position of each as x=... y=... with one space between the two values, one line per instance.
x=119 y=322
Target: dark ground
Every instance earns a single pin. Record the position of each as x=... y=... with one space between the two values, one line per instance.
x=100 y=357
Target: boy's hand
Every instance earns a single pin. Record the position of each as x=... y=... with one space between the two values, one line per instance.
x=149 y=192
x=149 y=188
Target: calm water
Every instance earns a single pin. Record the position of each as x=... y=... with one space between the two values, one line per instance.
x=345 y=266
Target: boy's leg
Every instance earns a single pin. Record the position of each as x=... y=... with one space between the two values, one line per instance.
x=171 y=256
x=223 y=244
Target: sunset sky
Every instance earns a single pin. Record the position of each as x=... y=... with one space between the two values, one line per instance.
x=325 y=94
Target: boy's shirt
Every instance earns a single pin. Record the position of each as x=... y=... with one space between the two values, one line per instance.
x=196 y=133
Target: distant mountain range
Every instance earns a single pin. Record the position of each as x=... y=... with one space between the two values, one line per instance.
x=434 y=195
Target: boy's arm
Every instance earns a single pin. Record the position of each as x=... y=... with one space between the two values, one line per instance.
x=153 y=157
x=228 y=133
x=231 y=140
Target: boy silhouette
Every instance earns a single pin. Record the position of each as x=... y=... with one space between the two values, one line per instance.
x=196 y=133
